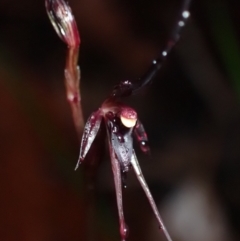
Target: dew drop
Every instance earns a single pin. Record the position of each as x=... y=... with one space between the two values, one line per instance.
x=186 y=14
x=181 y=23
x=115 y=129
x=120 y=138
x=124 y=178
x=164 y=53
x=124 y=231
x=126 y=82
x=143 y=143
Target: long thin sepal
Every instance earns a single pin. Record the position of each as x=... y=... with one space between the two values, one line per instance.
x=90 y=131
x=145 y=188
x=116 y=169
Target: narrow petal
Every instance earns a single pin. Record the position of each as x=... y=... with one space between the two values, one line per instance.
x=90 y=131
x=141 y=136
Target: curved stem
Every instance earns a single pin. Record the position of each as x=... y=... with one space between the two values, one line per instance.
x=175 y=36
x=126 y=87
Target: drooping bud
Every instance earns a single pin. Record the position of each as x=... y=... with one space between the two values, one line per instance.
x=128 y=117
x=63 y=21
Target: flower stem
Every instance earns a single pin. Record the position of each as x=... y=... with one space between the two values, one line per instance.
x=72 y=84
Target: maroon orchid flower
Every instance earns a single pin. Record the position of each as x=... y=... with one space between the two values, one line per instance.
x=122 y=124
x=120 y=121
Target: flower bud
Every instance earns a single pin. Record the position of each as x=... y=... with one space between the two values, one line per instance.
x=63 y=21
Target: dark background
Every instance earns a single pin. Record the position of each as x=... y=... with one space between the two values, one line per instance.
x=190 y=112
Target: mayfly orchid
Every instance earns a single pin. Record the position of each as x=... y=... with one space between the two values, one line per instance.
x=120 y=121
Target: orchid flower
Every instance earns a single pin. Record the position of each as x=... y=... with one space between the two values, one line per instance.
x=120 y=121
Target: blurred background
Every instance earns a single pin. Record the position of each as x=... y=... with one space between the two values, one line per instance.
x=190 y=112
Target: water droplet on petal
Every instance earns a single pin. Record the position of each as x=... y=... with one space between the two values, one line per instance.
x=120 y=138
x=124 y=231
x=115 y=129
x=124 y=178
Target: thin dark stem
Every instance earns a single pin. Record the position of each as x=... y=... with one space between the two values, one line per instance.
x=126 y=88
x=157 y=63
